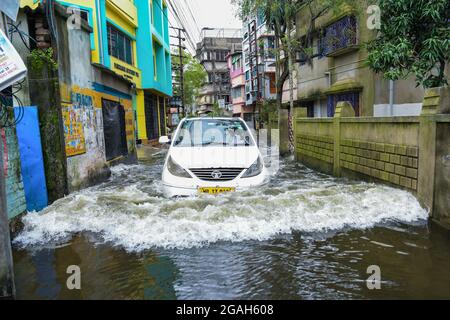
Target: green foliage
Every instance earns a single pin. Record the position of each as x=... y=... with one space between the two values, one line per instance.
x=217 y=111
x=280 y=16
x=40 y=58
x=414 y=39
x=194 y=77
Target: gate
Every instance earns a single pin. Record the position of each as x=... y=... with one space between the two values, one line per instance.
x=114 y=129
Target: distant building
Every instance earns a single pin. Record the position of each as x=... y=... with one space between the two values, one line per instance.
x=236 y=67
x=259 y=63
x=212 y=53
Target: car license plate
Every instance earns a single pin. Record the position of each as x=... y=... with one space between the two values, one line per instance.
x=215 y=190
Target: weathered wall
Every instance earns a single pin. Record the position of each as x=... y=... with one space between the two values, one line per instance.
x=407 y=152
x=82 y=89
x=7 y=289
x=82 y=120
x=442 y=183
x=346 y=70
x=15 y=194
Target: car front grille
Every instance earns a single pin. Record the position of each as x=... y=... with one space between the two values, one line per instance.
x=220 y=174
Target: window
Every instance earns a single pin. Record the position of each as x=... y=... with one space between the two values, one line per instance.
x=119 y=45
x=236 y=92
x=340 y=35
x=155 y=66
x=221 y=55
x=212 y=132
x=236 y=63
x=271 y=48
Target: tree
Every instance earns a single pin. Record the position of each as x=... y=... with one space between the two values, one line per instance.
x=280 y=16
x=194 y=77
x=414 y=39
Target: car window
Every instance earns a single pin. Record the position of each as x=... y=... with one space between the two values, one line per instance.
x=213 y=132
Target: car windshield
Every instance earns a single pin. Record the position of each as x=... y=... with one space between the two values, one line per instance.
x=213 y=132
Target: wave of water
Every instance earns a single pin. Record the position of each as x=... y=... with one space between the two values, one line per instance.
x=129 y=211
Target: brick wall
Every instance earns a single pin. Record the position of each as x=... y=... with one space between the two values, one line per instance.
x=391 y=163
x=318 y=147
x=15 y=194
x=383 y=150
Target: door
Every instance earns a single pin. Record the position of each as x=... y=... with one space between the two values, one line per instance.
x=114 y=129
x=151 y=116
x=352 y=97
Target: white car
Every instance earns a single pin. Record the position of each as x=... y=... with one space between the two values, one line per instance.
x=212 y=155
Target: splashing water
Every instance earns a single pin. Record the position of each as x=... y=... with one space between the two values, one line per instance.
x=130 y=211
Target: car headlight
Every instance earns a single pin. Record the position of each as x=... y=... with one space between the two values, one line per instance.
x=176 y=170
x=255 y=169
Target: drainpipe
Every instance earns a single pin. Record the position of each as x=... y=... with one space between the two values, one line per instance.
x=328 y=75
x=391 y=97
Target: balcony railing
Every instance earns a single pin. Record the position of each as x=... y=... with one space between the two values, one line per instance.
x=340 y=36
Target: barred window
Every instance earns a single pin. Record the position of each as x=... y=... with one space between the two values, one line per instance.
x=119 y=45
x=340 y=35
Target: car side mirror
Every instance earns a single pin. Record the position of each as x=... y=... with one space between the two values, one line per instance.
x=164 y=140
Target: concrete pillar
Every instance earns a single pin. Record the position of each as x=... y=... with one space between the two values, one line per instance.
x=344 y=109
x=7 y=288
x=427 y=148
x=436 y=102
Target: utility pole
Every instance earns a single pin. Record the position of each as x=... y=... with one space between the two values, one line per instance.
x=7 y=288
x=181 y=47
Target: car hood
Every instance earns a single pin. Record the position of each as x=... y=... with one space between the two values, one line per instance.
x=214 y=157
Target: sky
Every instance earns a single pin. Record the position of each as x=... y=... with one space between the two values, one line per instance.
x=216 y=13
x=198 y=14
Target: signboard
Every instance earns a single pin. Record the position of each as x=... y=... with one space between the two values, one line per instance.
x=127 y=71
x=12 y=68
x=221 y=103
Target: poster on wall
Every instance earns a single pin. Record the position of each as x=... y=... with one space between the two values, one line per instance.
x=12 y=68
x=73 y=130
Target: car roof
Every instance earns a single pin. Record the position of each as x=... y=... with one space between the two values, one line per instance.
x=212 y=118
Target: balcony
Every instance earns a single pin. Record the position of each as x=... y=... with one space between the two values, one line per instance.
x=340 y=37
x=125 y=9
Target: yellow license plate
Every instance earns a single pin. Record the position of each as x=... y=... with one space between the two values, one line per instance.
x=216 y=190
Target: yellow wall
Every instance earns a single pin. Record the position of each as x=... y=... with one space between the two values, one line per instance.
x=68 y=91
x=140 y=111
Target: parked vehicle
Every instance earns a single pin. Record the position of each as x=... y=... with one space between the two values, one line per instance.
x=213 y=156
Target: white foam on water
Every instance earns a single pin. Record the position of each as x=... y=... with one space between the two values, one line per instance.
x=136 y=220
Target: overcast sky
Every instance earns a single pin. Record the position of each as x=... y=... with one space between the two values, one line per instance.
x=206 y=13
x=215 y=13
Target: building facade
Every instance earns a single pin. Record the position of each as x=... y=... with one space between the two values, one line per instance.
x=131 y=38
x=212 y=52
x=340 y=73
x=259 y=63
x=114 y=81
x=237 y=100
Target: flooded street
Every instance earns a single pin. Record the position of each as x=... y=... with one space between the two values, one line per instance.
x=303 y=236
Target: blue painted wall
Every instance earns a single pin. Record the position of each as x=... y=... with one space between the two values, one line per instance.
x=150 y=34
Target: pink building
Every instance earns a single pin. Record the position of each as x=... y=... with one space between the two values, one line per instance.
x=236 y=67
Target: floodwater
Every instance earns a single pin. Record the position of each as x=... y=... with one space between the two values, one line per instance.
x=303 y=236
